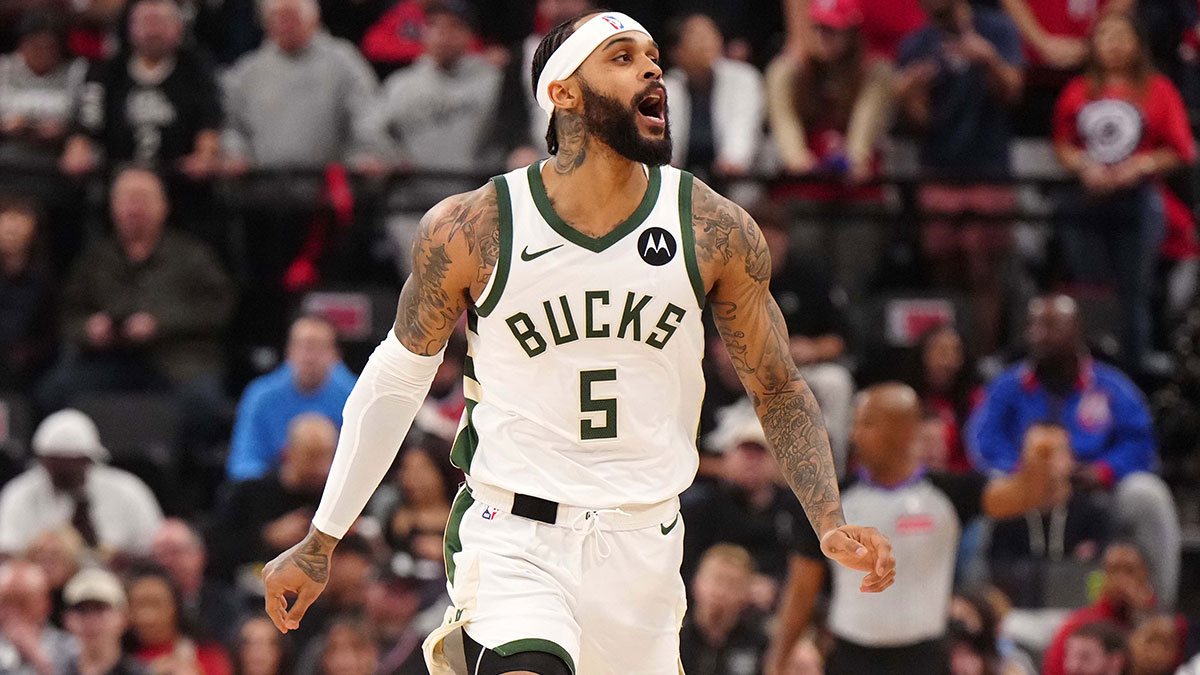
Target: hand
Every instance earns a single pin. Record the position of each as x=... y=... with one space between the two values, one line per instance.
x=1062 y=52
x=12 y=125
x=141 y=327
x=863 y=549
x=1097 y=178
x=50 y=130
x=78 y=158
x=235 y=167
x=804 y=350
x=1131 y=171
x=976 y=48
x=287 y=529
x=199 y=165
x=99 y=330
x=916 y=77
x=302 y=571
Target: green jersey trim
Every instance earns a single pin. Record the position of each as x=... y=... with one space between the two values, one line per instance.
x=688 y=234
x=504 y=258
x=537 y=190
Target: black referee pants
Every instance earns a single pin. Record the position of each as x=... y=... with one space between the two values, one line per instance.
x=922 y=658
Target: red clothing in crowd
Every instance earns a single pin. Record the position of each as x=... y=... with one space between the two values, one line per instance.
x=209 y=656
x=396 y=37
x=887 y=22
x=1064 y=18
x=1103 y=610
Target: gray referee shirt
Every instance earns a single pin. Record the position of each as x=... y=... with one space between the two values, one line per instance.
x=922 y=518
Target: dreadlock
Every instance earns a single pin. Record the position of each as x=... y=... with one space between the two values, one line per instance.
x=545 y=49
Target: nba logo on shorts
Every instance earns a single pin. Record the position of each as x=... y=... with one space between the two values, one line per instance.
x=614 y=22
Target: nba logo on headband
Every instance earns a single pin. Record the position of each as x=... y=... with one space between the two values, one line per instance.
x=614 y=22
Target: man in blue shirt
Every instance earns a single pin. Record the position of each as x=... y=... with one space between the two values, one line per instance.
x=1107 y=419
x=312 y=379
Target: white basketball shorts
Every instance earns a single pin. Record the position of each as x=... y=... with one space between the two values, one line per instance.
x=598 y=588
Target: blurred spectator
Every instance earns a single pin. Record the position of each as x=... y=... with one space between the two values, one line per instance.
x=38 y=86
x=1067 y=531
x=180 y=551
x=1155 y=646
x=262 y=517
x=311 y=379
x=389 y=611
x=61 y=553
x=144 y=309
x=29 y=645
x=1096 y=649
x=27 y=330
x=111 y=509
x=298 y=60
x=960 y=74
x=1107 y=420
x=749 y=506
x=259 y=649
x=816 y=322
x=1120 y=128
x=97 y=617
x=436 y=115
x=428 y=481
x=805 y=659
x=827 y=112
x=160 y=630
x=947 y=382
x=716 y=104
x=885 y=25
x=398 y=37
x=158 y=102
x=1125 y=598
x=348 y=650
x=721 y=634
x=975 y=644
x=923 y=515
x=517 y=106
x=1055 y=31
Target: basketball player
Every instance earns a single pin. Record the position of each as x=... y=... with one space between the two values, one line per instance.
x=583 y=278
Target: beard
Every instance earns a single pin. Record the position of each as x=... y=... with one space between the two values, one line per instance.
x=616 y=126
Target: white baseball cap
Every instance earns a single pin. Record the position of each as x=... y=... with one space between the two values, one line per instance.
x=68 y=433
x=94 y=584
x=736 y=424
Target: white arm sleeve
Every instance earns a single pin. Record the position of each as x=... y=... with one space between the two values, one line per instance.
x=376 y=418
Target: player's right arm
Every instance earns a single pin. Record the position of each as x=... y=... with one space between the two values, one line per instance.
x=453 y=255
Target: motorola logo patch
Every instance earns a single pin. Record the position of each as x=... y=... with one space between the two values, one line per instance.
x=656 y=246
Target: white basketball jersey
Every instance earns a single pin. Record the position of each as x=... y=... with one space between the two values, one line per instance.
x=583 y=376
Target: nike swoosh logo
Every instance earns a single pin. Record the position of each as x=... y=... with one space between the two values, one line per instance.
x=527 y=256
x=666 y=529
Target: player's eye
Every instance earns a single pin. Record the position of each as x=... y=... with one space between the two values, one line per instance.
x=622 y=57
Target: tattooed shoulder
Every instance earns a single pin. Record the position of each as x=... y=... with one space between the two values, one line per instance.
x=726 y=234
x=456 y=246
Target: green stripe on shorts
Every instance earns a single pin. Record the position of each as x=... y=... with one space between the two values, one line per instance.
x=535 y=645
x=452 y=543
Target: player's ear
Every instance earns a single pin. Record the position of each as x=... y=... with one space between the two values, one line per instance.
x=565 y=94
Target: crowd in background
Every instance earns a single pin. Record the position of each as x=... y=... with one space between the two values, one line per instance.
x=982 y=225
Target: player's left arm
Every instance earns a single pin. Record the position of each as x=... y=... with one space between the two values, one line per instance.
x=732 y=251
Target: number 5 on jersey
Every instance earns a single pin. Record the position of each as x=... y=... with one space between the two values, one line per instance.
x=588 y=431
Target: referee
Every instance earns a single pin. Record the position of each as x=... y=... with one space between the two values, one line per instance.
x=922 y=513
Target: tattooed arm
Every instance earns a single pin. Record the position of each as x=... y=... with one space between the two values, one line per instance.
x=737 y=265
x=453 y=255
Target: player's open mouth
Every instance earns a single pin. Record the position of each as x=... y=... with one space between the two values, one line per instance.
x=653 y=107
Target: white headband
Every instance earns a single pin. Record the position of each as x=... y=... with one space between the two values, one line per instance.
x=576 y=48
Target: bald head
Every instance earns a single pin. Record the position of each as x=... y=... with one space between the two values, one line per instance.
x=24 y=591
x=886 y=419
x=311 y=441
x=179 y=549
x=1054 y=328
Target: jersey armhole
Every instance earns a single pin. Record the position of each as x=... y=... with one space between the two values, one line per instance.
x=495 y=285
x=687 y=235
